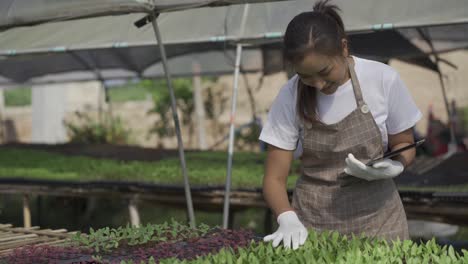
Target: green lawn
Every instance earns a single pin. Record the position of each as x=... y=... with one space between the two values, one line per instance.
x=18 y=96
x=129 y=93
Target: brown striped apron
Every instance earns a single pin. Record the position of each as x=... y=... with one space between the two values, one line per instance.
x=326 y=198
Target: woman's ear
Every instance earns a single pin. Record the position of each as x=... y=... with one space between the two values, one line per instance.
x=344 y=46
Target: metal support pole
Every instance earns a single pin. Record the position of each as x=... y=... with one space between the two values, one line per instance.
x=232 y=119
x=103 y=89
x=100 y=103
x=452 y=148
x=26 y=212
x=133 y=212
x=231 y=138
x=106 y=97
x=188 y=195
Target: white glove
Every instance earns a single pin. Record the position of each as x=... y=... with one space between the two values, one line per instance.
x=384 y=169
x=290 y=230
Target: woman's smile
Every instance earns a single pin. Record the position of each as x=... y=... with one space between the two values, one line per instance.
x=329 y=88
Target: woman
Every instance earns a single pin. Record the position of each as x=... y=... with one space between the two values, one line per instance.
x=343 y=111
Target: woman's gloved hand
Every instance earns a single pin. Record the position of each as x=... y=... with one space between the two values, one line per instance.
x=290 y=230
x=384 y=169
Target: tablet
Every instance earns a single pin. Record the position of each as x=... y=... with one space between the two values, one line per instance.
x=396 y=152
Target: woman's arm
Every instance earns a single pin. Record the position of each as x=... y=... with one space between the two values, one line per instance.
x=277 y=168
x=400 y=140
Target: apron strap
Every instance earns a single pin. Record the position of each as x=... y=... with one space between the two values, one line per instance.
x=356 y=87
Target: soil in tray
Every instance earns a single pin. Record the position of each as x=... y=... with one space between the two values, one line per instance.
x=187 y=249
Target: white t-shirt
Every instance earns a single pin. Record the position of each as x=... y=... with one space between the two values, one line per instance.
x=383 y=90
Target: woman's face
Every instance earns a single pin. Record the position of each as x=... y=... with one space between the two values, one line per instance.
x=322 y=72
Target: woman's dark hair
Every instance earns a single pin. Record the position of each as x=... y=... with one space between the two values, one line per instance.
x=320 y=30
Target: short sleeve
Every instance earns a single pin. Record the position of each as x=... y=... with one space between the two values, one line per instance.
x=402 y=111
x=282 y=128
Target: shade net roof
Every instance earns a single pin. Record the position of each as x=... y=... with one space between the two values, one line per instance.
x=111 y=47
x=14 y=13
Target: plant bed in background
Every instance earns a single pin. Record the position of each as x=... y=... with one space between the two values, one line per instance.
x=176 y=243
x=102 y=151
x=204 y=168
x=80 y=163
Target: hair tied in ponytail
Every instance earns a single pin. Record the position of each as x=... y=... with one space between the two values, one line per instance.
x=330 y=10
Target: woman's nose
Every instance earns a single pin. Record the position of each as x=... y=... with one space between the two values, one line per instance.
x=316 y=82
